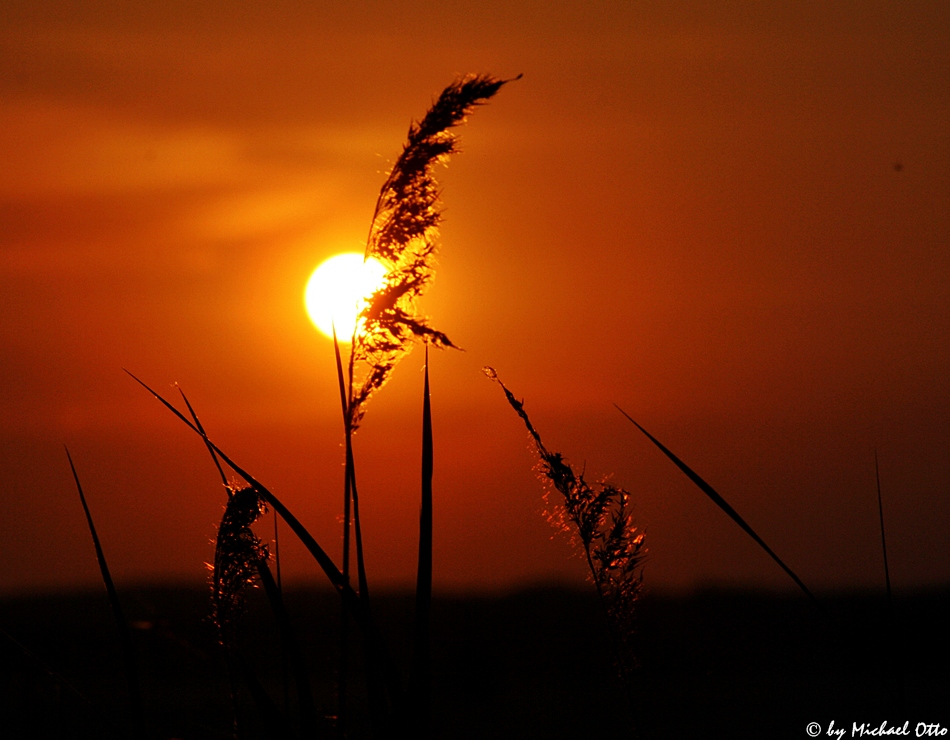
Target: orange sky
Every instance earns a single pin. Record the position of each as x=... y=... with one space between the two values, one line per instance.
x=691 y=209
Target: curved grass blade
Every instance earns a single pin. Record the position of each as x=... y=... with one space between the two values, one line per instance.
x=724 y=505
x=125 y=637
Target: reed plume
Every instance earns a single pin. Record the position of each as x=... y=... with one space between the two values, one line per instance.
x=238 y=553
x=402 y=237
x=600 y=517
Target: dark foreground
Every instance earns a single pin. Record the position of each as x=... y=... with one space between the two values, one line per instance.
x=536 y=664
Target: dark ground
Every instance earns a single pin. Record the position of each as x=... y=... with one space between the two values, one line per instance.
x=534 y=664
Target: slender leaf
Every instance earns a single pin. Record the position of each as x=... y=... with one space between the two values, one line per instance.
x=724 y=505
x=420 y=679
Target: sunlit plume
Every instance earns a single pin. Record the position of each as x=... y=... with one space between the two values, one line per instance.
x=338 y=291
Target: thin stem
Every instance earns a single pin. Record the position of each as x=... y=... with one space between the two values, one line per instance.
x=342 y=678
x=351 y=498
x=897 y=678
x=880 y=511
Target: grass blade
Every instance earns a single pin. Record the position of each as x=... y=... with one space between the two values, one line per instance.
x=343 y=670
x=125 y=637
x=374 y=680
x=350 y=492
x=895 y=671
x=724 y=505
x=880 y=511
x=420 y=678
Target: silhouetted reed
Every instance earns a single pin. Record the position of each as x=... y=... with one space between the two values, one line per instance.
x=237 y=554
x=402 y=237
x=600 y=518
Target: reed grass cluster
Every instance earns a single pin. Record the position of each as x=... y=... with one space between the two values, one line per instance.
x=598 y=515
x=403 y=237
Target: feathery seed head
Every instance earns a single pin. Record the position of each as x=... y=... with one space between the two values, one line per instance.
x=403 y=237
x=600 y=516
x=238 y=552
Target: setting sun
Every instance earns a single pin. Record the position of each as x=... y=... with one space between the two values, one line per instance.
x=336 y=290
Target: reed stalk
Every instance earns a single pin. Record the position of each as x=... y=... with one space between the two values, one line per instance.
x=600 y=516
x=290 y=649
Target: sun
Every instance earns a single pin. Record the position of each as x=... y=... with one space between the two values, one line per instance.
x=337 y=290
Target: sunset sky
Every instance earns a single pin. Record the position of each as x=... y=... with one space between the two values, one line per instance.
x=731 y=219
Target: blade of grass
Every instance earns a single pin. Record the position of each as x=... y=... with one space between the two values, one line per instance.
x=880 y=511
x=896 y=672
x=343 y=671
x=351 y=493
x=724 y=505
x=420 y=679
x=125 y=637
x=290 y=648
